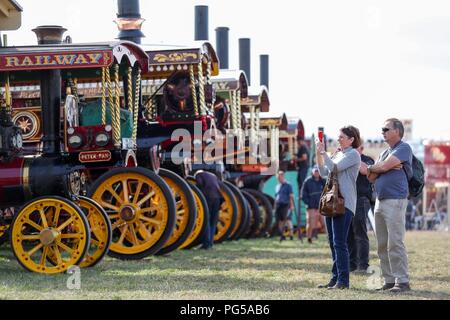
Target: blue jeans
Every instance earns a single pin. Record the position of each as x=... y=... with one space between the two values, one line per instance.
x=337 y=229
x=214 y=207
x=358 y=240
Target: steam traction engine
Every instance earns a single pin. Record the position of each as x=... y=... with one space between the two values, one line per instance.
x=179 y=95
x=96 y=139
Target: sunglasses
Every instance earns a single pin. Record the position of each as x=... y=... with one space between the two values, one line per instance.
x=385 y=129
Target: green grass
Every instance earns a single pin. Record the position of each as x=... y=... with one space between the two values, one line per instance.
x=256 y=269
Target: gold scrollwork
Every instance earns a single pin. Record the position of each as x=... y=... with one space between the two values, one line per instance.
x=174 y=57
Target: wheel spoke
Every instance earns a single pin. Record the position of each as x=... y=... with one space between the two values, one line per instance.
x=109 y=206
x=65 y=224
x=35 y=249
x=115 y=195
x=150 y=220
x=56 y=217
x=125 y=191
x=134 y=238
x=151 y=208
x=138 y=191
x=43 y=218
x=44 y=256
x=117 y=224
x=29 y=237
x=144 y=199
x=143 y=231
x=124 y=232
x=64 y=247
x=57 y=254
x=114 y=216
x=71 y=236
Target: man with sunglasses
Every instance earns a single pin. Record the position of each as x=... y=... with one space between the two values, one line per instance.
x=390 y=174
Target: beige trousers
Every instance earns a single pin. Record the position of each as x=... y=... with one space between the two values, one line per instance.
x=390 y=231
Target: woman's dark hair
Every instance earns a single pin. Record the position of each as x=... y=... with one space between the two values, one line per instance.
x=352 y=132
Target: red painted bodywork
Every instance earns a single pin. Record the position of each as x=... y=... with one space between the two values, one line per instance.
x=10 y=175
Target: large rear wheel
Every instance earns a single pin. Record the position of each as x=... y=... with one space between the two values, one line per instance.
x=266 y=214
x=197 y=235
x=242 y=212
x=227 y=213
x=255 y=218
x=186 y=210
x=141 y=208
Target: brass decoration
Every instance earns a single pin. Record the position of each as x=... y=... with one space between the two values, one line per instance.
x=175 y=57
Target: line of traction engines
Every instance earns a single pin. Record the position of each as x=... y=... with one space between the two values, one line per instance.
x=87 y=163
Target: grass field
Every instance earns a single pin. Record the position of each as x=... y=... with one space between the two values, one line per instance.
x=255 y=269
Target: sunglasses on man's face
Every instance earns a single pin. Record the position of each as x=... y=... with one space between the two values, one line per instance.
x=385 y=129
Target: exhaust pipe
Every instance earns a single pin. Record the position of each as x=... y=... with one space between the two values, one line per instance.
x=264 y=70
x=129 y=21
x=222 y=46
x=201 y=23
x=244 y=57
x=50 y=91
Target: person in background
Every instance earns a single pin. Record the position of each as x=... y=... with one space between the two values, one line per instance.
x=311 y=191
x=209 y=185
x=284 y=201
x=286 y=158
x=347 y=161
x=358 y=240
x=390 y=174
x=302 y=162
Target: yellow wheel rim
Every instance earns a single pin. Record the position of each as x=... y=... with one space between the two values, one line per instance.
x=99 y=233
x=182 y=212
x=240 y=212
x=138 y=211
x=225 y=217
x=198 y=223
x=45 y=228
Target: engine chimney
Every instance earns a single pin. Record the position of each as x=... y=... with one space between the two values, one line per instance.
x=222 y=46
x=129 y=21
x=244 y=57
x=50 y=91
x=264 y=70
x=201 y=23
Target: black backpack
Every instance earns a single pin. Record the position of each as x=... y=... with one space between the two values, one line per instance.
x=417 y=181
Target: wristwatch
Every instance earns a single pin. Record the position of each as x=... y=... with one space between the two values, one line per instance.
x=369 y=168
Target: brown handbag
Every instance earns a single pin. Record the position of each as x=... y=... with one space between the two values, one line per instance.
x=332 y=203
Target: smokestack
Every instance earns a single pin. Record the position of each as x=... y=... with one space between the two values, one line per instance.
x=244 y=57
x=264 y=70
x=201 y=23
x=129 y=21
x=222 y=46
x=49 y=34
x=50 y=91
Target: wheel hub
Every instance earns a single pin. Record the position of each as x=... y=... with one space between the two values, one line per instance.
x=48 y=236
x=127 y=213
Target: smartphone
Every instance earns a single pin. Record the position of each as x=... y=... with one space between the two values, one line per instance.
x=320 y=134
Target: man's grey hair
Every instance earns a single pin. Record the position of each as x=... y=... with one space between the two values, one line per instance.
x=397 y=124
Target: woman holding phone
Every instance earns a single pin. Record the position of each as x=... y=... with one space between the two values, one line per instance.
x=347 y=161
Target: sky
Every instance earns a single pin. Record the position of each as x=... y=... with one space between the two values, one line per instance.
x=332 y=63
